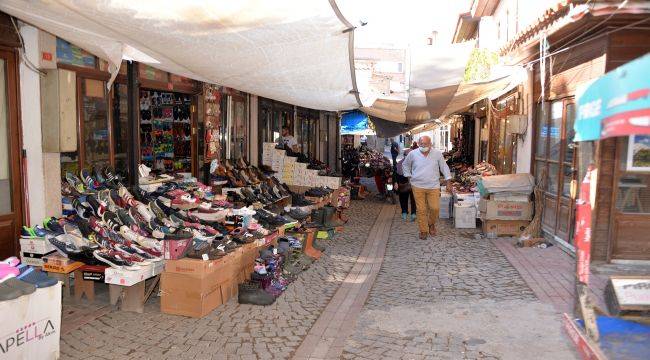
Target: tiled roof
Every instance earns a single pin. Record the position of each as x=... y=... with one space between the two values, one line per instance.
x=548 y=18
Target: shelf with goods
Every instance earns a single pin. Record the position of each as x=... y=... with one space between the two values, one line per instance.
x=165 y=131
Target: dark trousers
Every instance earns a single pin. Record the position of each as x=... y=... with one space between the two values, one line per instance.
x=404 y=202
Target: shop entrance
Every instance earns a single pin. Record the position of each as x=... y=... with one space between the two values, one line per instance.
x=555 y=158
x=11 y=209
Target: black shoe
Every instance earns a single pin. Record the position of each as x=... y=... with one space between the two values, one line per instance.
x=252 y=293
x=112 y=221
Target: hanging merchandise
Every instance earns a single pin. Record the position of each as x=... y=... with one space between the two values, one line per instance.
x=212 y=108
x=165 y=131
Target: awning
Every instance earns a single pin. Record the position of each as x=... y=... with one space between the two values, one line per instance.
x=616 y=104
x=436 y=88
x=288 y=50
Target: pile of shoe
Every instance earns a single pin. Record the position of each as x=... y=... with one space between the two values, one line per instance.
x=17 y=279
x=109 y=224
x=269 y=278
x=318 y=192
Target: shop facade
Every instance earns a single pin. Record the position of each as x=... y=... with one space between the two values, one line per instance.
x=12 y=195
x=622 y=214
x=542 y=143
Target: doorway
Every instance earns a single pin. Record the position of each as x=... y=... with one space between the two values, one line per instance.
x=11 y=195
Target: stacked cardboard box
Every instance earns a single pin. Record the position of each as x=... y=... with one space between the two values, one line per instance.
x=465 y=210
x=194 y=287
x=505 y=208
x=295 y=173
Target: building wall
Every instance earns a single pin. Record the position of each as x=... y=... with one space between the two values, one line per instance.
x=43 y=181
x=525 y=142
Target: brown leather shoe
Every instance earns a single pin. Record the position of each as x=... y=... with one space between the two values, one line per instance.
x=432 y=230
x=423 y=236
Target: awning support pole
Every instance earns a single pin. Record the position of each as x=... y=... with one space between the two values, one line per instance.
x=133 y=126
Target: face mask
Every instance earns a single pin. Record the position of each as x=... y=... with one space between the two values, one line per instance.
x=424 y=149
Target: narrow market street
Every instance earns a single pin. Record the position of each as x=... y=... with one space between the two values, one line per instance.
x=378 y=292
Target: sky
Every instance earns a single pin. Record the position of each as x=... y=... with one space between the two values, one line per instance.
x=399 y=23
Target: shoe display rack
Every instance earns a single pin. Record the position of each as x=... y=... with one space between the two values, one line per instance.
x=165 y=131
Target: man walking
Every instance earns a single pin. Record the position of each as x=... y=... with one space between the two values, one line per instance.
x=424 y=166
x=394 y=151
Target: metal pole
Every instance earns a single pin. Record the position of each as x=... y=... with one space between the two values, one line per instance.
x=133 y=124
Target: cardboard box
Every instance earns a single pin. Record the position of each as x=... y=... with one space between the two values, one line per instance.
x=201 y=274
x=505 y=210
x=174 y=249
x=504 y=227
x=229 y=290
x=59 y=264
x=36 y=245
x=464 y=216
x=179 y=299
x=31 y=325
x=33 y=259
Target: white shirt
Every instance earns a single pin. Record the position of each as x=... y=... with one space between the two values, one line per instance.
x=288 y=140
x=424 y=171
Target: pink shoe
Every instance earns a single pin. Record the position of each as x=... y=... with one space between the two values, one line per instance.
x=8 y=272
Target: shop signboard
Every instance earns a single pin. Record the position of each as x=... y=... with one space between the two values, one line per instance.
x=616 y=104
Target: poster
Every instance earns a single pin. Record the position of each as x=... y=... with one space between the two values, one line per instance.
x=638 y=153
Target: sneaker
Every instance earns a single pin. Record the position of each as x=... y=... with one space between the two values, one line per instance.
x=126 y=196
x=88 y=181
x=33 y=232
x=114 y=260
x=96 y=205
x=75 y=182
x=61 y=245
x=52 y=225
x=112 y=221
x=404 y=216
x=139 y=239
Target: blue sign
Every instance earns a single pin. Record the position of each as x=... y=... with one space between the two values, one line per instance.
x=355 y=122
x=617 y=104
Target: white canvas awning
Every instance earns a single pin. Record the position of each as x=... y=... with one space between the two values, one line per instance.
x=292 y=51
x=436 y=87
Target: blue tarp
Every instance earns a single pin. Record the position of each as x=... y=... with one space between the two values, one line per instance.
x=623 y=339
x=355 y=122
x=617 y=104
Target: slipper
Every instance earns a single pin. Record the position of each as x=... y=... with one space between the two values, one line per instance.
x=36 y=278
x=8 y=292
x=23 y=287
x=11 y=261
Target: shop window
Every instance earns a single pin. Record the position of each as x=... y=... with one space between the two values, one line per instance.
x=5 y=164
x=94 y=118
x=633 y=193
x=70 y=54
x=542 y=131
x=555 y=126
x=239 y=127
x=120 y=127
x=570 y=132
x=553 y=171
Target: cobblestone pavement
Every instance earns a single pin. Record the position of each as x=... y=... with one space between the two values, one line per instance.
x=452 y=297
x=232 y=331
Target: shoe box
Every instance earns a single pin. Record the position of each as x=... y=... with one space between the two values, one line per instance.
x=445 y=205
x=129 y=277
x=32 y=250
x=192 y=287
x=59 y=264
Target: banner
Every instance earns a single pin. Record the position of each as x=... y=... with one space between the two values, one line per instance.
x=616 y=104
x=583 y=228
x=355 y=122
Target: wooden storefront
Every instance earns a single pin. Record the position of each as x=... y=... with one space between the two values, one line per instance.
x=621 y=225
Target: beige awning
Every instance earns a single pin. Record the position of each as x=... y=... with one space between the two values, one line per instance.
x=426 y=105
